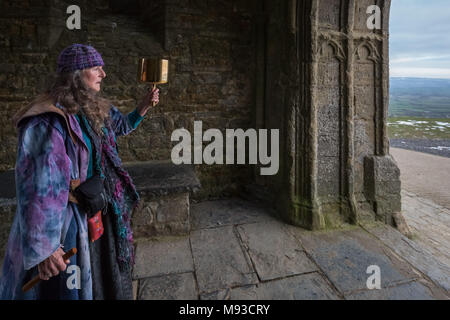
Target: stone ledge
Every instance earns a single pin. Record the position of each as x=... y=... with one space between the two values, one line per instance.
x=164 y=189
x=164 y=215
x=161 y=178
x=152 y=178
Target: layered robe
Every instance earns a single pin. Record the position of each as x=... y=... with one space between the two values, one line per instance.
x=51 y=152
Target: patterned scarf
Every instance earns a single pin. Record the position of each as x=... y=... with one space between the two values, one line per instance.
x=122 y=195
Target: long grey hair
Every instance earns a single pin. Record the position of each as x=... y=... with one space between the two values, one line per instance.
x=71 y=92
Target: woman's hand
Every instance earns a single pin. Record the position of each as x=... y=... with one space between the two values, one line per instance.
x=146 y=103
x=51 y=266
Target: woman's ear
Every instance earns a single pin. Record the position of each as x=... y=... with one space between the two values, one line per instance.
x=83 y=76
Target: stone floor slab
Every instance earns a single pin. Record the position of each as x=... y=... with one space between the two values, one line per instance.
x=275 y=252
x=179 y=286
x=162 y=256
x=408 y=291
x=210 y=214
x=429 y=224
x=344 y=256
x=414 y=253
x=303 y=287
x=219 y=260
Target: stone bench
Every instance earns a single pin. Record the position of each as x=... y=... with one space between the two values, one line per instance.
x=164 y=208
x=164 y=189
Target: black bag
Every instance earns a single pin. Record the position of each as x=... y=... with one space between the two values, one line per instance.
x=91 y=195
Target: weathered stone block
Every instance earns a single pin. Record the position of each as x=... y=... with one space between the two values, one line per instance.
x=164 y=189
x=407 y=291
x=328 y=145
x=162 y=256
x=219 y=260
x=304 y=287
x=364 y=103
x=179 y=286
x=415 y=254
x=329 y=14
x=388 y=189
x=382 y=185
x=210 y=214
x=169 y=216
x=345 y=257
x=361 y=15
x=275 y=253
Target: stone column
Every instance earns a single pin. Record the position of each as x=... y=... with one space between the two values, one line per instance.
x=336 y=167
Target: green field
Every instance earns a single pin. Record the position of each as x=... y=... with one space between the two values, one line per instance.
x=421 y=98
x=436 y=107
x=419 y=128
x=419 y=108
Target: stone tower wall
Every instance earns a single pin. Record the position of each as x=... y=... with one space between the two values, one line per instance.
x=311 y=69
x=211 y=79
x=330 y=87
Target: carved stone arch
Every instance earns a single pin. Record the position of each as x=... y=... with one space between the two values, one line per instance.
x=336 y=149
x=337 y=49
x=372 y=55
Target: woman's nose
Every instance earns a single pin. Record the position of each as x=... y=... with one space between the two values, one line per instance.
x=103 y=73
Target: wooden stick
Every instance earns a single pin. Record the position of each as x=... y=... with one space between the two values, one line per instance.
x=153 y=102
x=30 y=284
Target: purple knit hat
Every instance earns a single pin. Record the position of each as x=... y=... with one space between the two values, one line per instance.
x=78 y=57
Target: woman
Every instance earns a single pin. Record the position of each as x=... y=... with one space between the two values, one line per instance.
x=66 y=136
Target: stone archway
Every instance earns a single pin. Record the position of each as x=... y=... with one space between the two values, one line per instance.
x=319 y=76
x=326 y=85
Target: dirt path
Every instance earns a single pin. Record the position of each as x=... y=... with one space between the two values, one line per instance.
x=426 y=200
x=436 y=147
x=426 y=175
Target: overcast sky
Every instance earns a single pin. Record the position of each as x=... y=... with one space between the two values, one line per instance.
x=420 y=38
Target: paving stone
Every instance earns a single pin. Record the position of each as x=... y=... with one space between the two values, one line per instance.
x=274 y=252
x=304 y=287
x=415 y=254
x=219 y=259
x=162 y=256
x=179 y=286
x=210 y=214
x=408 y=291
x=345 y=255
x=425 y=207
x=429 y=224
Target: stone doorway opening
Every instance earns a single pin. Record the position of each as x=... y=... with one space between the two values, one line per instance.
x=326 y=88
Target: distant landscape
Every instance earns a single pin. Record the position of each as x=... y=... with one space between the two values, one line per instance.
x=419 y=115
x=419 y=108
x=419 y=97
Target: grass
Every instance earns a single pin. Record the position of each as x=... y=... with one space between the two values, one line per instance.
x=430 y=107
x=419 y=128
x=415 y=97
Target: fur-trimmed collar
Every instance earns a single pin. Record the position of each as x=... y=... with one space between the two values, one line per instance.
x=45 y=106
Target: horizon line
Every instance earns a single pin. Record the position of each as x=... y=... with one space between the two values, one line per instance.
x=415 y=77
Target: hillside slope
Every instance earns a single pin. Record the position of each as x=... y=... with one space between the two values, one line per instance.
x=419 y=97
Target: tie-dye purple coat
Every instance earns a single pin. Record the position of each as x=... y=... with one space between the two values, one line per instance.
x=47 y=159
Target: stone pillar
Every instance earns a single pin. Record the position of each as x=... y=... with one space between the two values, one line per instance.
x=336 y=167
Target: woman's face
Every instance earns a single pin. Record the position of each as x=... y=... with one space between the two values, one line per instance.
x=93 y=77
